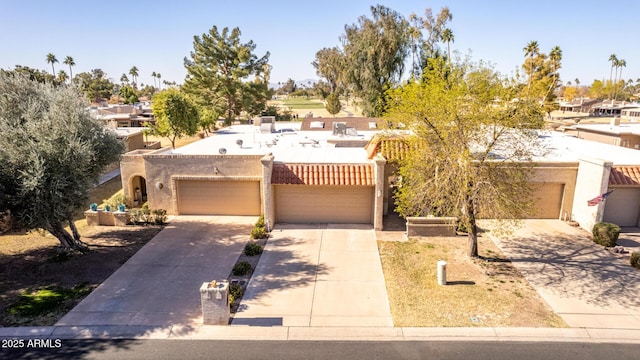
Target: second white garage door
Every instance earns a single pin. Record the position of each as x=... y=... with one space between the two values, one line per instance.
x=324 y=204
x=206 y=197
x=622 y=207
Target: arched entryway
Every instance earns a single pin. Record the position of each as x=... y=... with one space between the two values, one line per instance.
x=138 y=190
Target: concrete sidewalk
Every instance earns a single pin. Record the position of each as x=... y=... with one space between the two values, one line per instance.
x=317 y=275
x=159 y=285
x=155 y=294
x=582 y=282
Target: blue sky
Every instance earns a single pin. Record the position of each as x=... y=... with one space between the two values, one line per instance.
x=156 y=35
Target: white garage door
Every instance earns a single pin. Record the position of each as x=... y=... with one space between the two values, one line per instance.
x=622 y=207
x=548 y=201
x=324 y=204
x=206 y=197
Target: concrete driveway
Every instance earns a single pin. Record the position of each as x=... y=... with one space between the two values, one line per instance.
x=159 y=285
x=317 y=275
x=586 y=285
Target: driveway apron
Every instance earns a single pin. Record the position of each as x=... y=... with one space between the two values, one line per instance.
x=582 y=282
x=159 y=285
x=317 y=275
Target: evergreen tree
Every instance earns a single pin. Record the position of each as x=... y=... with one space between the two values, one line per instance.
x=219 y=71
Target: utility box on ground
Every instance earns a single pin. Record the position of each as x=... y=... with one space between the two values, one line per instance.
x=215 y=303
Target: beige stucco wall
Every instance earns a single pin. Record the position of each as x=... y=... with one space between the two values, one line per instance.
x=592 y=180
x=162 y=170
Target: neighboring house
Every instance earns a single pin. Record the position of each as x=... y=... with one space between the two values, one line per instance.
x=120 y=116
x=610 y=108
x=578 y=105
x=614 y=133
x=337 y=175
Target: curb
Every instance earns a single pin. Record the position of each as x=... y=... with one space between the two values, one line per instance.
x=284 y=333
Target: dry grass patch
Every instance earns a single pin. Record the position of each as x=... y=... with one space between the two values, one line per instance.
x=485 y=292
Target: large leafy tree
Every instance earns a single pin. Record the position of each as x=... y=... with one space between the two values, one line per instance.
x=375 y=51
x=472 y=146
x=95 y=84
x=176 y=115
x=220 y=70
x=330 y=64
x=33 y=74
x=52 y=154
x=542 y=72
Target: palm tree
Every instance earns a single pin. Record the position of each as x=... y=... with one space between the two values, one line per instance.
x=555 y=56
x=51 y=59
x=154 y=75
x=134 y=75
x=62 y=76
x=613 y=58
x=532 y=49
x=159 y=76
x=124 y=79
x=69 y=61
x=620 y=63
x=447 y=36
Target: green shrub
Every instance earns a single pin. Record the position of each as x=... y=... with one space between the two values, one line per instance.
x=159 y=216
x=258 y=233
x=635 y=259
x=260 y=222
x=235 y=292
x=252 y=249
x=606 y=234
x=241 y=268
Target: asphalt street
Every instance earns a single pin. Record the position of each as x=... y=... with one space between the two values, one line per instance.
x=334 y=350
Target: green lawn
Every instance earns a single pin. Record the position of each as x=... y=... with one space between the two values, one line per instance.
x=302 y=103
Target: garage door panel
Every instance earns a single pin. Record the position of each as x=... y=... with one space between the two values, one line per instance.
x=547 y=200
x=323 y=204
x=622 y=207
x=201 y=197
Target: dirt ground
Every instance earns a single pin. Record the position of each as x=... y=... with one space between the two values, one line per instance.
x=487 y=291
x=40 y=263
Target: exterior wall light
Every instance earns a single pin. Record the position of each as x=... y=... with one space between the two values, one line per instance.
x=159 y=185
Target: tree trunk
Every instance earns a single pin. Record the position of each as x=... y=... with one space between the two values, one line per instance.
x=473 y=231
x=67 y=242
x=74 y=229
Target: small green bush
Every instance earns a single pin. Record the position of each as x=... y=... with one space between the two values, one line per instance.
x=258 y=233
x=606 y=234
x=635 y=259
x=252 y=249
x=260 y=222
x=241 y=268
x=235 y=292
x=159 y=216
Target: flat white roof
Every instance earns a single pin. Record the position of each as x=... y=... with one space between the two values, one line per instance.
x=611 y=129
x=563 y=147
x=290 y=145
x=287 y=144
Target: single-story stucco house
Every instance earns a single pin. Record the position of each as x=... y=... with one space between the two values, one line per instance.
x=344 y=172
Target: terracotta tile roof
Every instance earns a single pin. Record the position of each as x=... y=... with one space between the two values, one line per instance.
x=391 y=148
x=625 y=175
x=323 y=174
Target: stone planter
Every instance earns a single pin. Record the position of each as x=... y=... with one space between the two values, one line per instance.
x=431 y=226
x=106 y=218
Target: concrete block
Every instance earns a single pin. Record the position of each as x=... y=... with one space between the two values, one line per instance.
x=214 y=297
